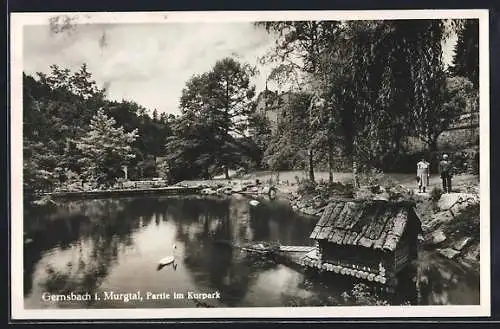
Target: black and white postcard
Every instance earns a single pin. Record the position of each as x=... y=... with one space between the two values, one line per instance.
x=195 y=165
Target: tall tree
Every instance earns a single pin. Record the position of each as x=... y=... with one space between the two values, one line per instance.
x=260 y=133
x=223 y=98
x=459 y=97
x=163 y=118
x=191 y=148
x=79 y=83
x=292 y=140
x=395 y=70
x=298 y=50
x=429 y=80
x=466 y=58
x=105 y=149
x=151 y=142
x=39 y=167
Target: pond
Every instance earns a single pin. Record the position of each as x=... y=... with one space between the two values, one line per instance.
x=103 y=245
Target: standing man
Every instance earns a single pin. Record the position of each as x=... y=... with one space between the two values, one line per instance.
x=422 y=174
x=445 y=173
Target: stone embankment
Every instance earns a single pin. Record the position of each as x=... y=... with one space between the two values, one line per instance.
x=453 y=228
x=254 y=189
x=314 y=202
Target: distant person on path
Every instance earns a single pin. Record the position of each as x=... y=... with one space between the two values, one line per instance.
x=445 y=172
x=422 y=175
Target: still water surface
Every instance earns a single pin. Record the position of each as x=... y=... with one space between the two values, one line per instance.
x=104 y=245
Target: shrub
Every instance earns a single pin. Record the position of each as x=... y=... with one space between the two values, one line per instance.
x=458 y=139
x=466 y=223
x=404 y=162
x=475 y=164
x=436 y=193
x=362 y=294
x=306 y=186
x=371 y=177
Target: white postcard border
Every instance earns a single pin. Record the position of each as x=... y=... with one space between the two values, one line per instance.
x=18 y=20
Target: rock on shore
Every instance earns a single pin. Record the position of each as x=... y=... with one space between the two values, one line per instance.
x=455 y=227
x=237 y=187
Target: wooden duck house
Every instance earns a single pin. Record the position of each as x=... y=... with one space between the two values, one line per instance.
x=372 y=240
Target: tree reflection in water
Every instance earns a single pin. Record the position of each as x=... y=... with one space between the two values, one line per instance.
x=444 y=282
x=217 y=265
x=229 y=270
x=95 y=229
x=277 y=221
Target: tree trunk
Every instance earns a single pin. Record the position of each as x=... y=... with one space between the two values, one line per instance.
x=355 y=177
x=226 y=128
x=330 y=164
x=433 y=145
x=355 y=174
x=432 y=151
x=397 y=141
x=311 y=165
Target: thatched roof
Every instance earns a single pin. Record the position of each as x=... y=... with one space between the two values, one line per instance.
x=371 y=224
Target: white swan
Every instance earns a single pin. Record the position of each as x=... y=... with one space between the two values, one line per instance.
x=167 y=260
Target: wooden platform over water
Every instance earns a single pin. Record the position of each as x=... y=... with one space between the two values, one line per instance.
x=169 y=190
x=305 y=249
x=306 y=257
x=291 y=256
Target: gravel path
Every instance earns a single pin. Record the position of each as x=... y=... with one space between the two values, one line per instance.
x=288 y=179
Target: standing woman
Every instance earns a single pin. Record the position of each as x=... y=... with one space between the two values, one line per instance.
x=422 y=174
